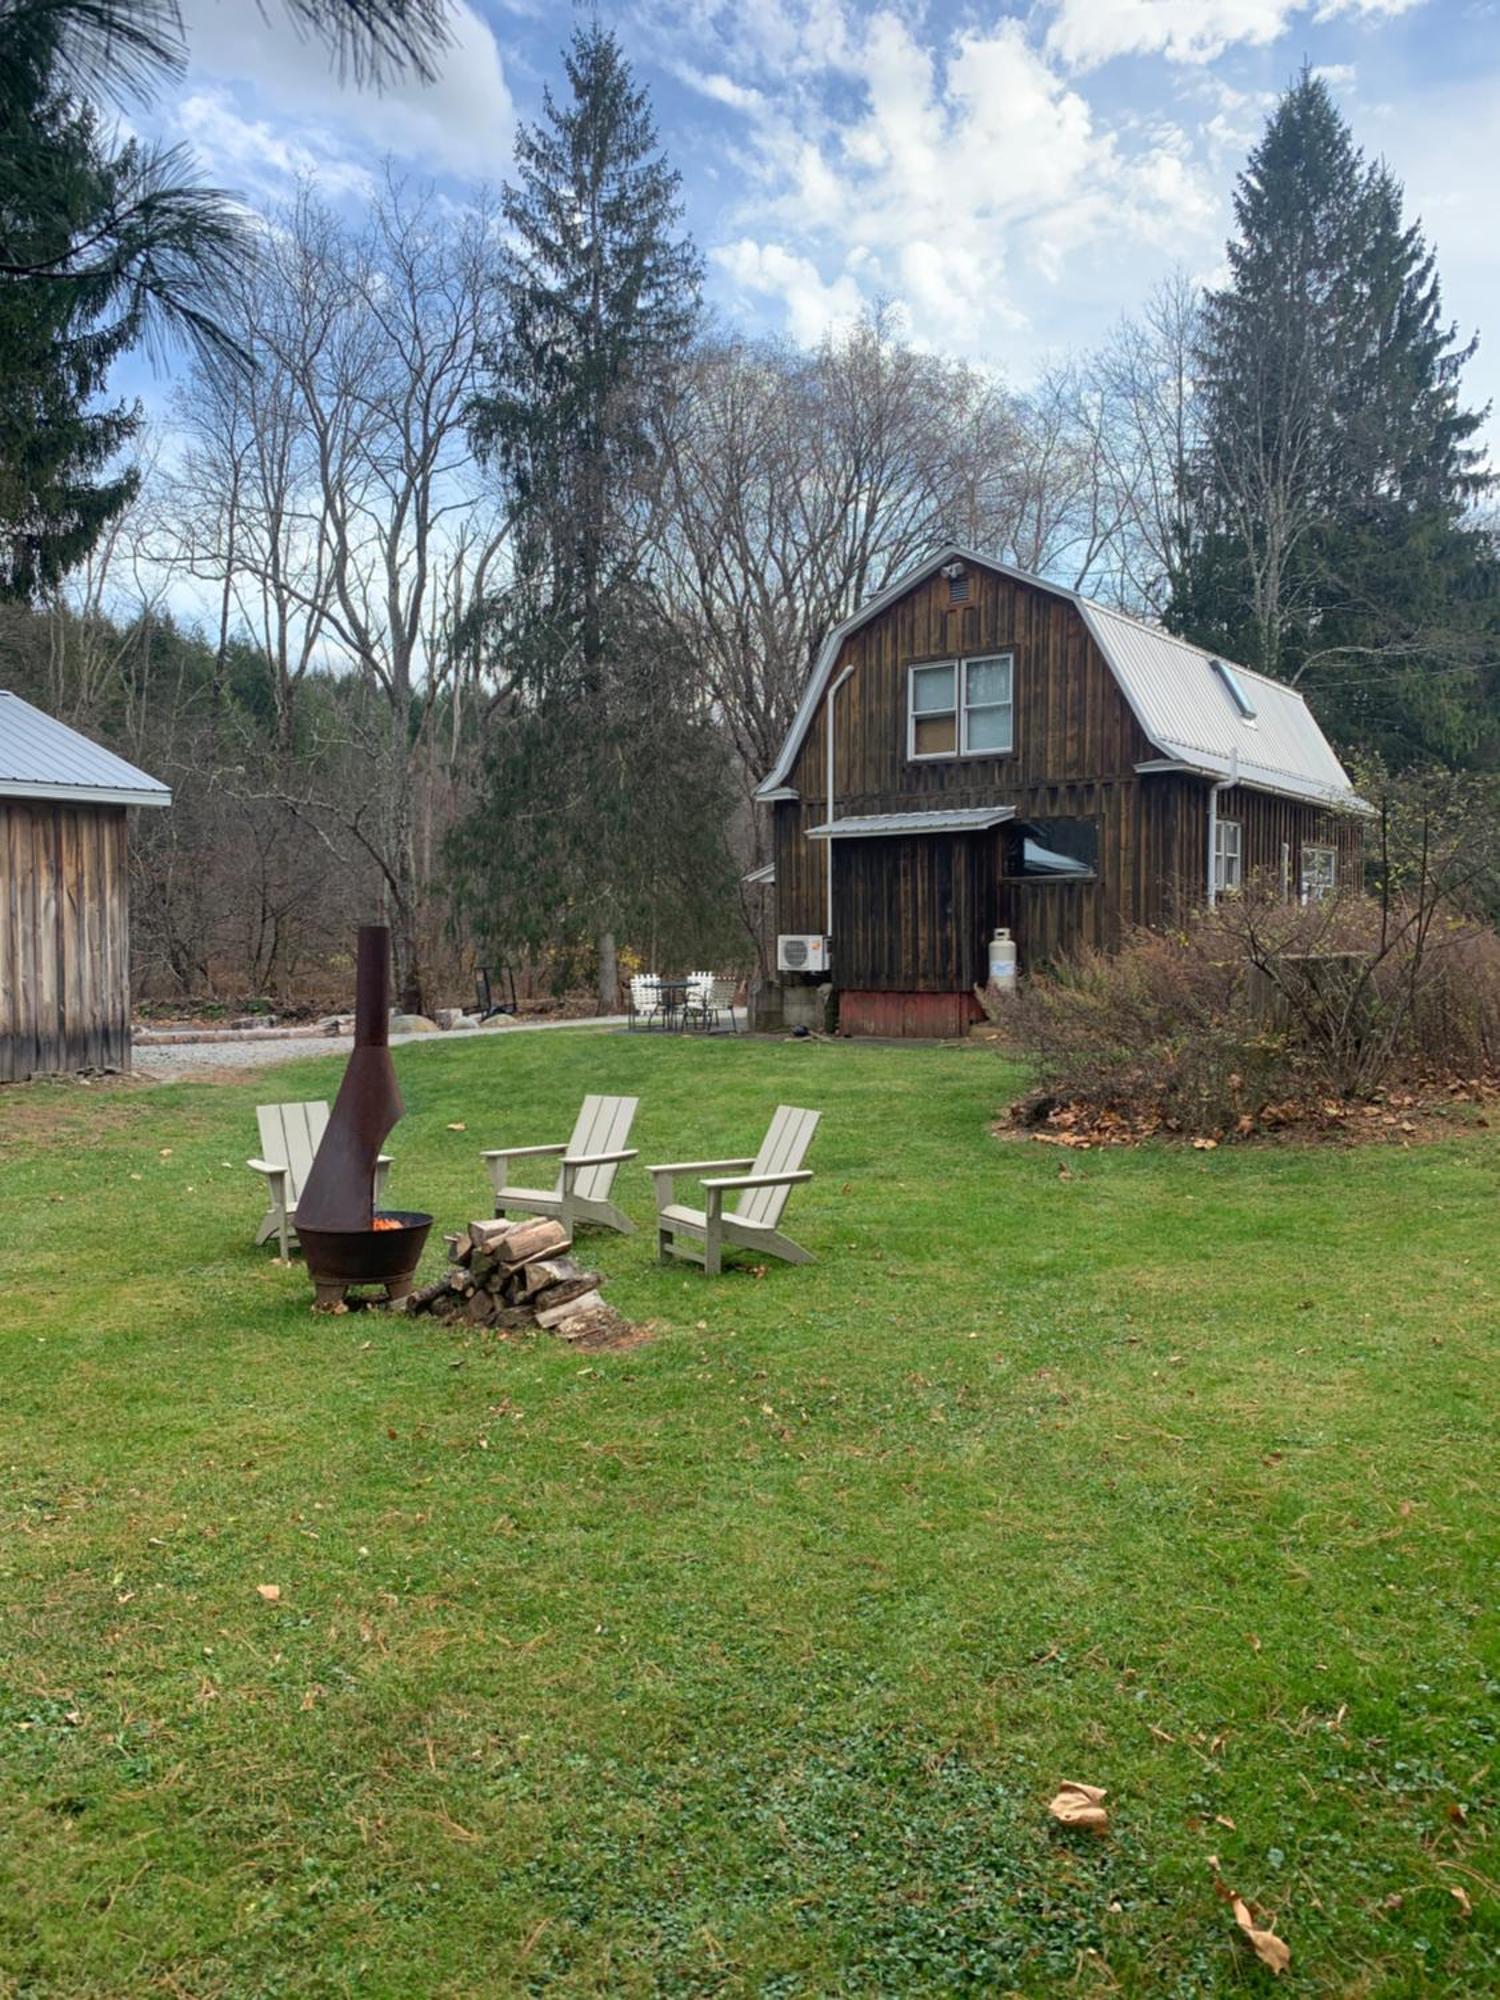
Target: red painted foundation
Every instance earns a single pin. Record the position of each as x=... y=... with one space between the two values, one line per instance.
x=918 y=1016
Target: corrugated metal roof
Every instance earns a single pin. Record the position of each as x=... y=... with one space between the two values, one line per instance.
x=1181 y=702
x=42 y=758
x=958 y=819
x=1189 y=712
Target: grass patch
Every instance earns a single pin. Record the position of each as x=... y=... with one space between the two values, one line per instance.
x=745 y=1662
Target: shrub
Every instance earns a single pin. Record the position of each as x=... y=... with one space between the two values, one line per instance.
x=1265 y=1012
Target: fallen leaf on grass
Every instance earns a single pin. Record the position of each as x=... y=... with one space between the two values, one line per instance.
x=1268 y=1948
x=1272 y=1951
x=459 y=1126
x=1080 y=1805
x=1461 y=1897
x=271 y=1592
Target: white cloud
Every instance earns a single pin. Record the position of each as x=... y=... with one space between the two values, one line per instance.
x=1085 y=33
x=463 y=123
x=770 y=270
x=251 y=157
x=954 y=180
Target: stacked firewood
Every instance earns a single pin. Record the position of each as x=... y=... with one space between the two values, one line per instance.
x=513 y=1275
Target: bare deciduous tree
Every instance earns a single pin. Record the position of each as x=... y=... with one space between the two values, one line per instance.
x=332 y=500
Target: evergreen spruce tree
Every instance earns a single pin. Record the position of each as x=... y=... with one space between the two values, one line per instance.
x=599 y=300
x=1332 y=545
x=57 y=494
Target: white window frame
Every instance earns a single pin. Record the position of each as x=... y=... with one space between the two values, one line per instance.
x=1316 y=893
x=914 y=755
x=962 y=709
x=1229 y=859
x=969 y=708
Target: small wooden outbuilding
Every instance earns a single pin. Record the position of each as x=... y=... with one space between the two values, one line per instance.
x=64 y=895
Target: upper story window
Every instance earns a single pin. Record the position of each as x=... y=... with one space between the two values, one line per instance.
x=1227 y=862
x=963 y=708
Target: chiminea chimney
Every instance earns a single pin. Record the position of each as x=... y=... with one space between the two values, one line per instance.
x=340 y=1189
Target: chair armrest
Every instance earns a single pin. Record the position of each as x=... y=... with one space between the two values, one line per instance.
x=599 y=1159
x=696 y=1166
x=521 y=1152
x=761 y=1180
x=268 y=1167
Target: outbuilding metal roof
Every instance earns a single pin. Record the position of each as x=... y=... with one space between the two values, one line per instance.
x=1181 y=700
x=42 y=758
x=959 y=819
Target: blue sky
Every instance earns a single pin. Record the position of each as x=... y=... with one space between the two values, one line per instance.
x=1014 y=176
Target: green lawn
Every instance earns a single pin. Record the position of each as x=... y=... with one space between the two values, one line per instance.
x=745 y=1662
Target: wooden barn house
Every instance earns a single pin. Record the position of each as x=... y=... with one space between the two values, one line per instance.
x=64 y=896
x=978 y=748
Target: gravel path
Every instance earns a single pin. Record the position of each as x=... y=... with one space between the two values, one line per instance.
x=174 y=1059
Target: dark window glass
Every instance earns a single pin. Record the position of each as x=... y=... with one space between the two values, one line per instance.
x=1059 y=850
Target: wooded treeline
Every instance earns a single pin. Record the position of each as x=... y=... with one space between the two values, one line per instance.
x=508 y=563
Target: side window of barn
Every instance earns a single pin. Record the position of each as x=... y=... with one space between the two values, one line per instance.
x=1227 y=867
x=1319 y=873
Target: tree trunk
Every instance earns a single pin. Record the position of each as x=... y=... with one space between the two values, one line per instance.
x=609 y=974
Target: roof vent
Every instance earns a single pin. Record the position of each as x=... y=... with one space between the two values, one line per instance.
x=1238 y=693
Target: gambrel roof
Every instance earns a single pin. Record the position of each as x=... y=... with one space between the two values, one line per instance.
x=1178 y=693
x=42 y=758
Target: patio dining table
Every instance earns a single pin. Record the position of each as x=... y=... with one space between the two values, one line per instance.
x=674 y=995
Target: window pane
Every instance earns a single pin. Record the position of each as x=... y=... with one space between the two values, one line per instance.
x=931 y=689
x=987 y=728
x=1058 y=850
x=935 y=736
x=986 y=681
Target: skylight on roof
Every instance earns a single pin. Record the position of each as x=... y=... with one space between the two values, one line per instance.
x=1238 y=693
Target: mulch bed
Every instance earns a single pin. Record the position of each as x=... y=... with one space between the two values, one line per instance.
x=1432 y=1110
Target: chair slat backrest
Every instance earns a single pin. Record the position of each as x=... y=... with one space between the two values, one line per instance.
x=290 y=1135
x=603 y=1127
x=782 y=1152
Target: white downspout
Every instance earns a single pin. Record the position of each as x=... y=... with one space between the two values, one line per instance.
x=828 y=859
x=1218 y=785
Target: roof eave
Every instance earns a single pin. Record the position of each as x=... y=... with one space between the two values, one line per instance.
x=82 y=795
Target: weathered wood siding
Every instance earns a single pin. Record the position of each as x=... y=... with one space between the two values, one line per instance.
x=912 y=915
x=1269 y=823
x=64 y=939
x=1071 y=721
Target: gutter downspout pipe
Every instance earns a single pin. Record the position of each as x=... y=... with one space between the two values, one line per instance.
x=1218 y=785
x=828 y=860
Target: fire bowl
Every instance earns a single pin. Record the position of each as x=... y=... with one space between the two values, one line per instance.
x=338 y=1258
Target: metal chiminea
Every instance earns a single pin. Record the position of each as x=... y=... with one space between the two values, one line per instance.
x=345 y=1242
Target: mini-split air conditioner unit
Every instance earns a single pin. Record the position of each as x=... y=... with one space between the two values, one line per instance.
x=801 y=951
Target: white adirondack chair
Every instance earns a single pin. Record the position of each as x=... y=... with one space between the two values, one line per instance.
x=589 y=1162
x=763 y=1183
x=290 y=1135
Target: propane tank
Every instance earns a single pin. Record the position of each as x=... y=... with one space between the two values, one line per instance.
x=1003 y=962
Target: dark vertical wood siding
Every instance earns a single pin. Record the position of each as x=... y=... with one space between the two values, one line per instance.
x=64 y=939
x=1268 y=821
x=911 y=915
